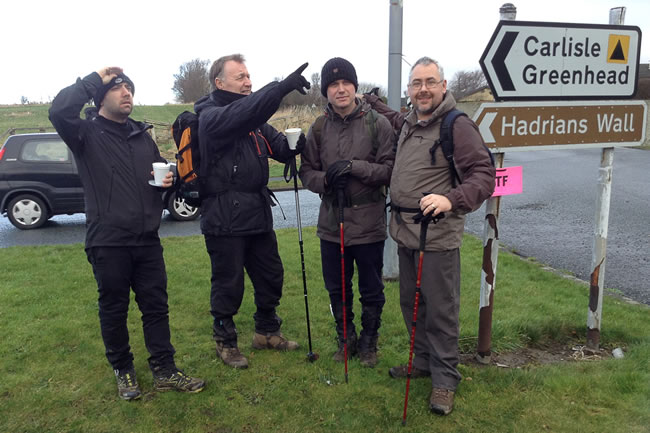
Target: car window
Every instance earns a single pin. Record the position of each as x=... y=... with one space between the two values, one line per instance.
x=45 y=150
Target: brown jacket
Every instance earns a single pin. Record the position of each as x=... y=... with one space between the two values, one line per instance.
x=414 y=174
x=349 y=139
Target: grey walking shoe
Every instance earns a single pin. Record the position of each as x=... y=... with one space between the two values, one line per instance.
x=127 y=384
x=174 y=379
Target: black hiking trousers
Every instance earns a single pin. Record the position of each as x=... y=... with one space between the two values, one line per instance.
x=230 y=255
x=369 y=259
x=117 y=271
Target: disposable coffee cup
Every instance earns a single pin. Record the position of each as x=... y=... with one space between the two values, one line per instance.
x=293 y=134
x=160 y=170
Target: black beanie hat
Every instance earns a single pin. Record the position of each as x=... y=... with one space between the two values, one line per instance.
x=337 y=69
x=103 y=89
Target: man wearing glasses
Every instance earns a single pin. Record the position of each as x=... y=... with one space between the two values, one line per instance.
x=421 y=181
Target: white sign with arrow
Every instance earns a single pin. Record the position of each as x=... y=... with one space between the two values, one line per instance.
x=541 y=60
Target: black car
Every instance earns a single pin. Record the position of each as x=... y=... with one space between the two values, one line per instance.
x=39 y=179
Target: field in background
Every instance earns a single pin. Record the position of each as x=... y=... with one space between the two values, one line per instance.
x=34 y=118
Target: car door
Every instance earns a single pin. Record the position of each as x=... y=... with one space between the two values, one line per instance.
x=45 y=164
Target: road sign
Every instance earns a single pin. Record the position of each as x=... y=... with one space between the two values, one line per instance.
x=561 y=124
x=541 y=61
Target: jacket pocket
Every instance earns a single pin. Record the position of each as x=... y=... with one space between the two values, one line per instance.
x=248 y=212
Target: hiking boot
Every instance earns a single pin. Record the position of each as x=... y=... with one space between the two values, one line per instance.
x=127 y=384
x=441 y=401
x=231 y=356
x=175 y=379
x=368 y=358
x=273 y=340
x=401 y=371
x=367 y=350
x=339 y=356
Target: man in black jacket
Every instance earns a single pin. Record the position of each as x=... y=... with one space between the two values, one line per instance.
x=236 y=217
x=114 y=155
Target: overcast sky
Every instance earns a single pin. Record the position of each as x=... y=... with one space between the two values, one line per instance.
x=46 y=44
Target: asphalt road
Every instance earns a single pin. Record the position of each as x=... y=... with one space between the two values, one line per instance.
x=552 y=220
x=68 y=229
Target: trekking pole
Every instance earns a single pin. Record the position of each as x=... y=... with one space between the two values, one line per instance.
x=311 y=356
x=424 y=225
x=341 y=201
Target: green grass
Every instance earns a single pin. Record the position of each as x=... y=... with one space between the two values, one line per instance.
x=55 y=377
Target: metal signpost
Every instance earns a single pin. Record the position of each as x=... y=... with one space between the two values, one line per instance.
x=558 y=62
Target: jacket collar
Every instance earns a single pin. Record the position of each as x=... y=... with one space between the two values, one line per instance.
x=359 y=110
x=448 y=103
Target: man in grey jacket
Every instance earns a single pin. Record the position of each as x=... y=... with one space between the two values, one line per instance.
x=350 y=149
x=422 y=183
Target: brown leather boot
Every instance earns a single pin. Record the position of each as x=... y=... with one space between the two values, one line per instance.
x=441 y=401
x=231 y=356
x=339 y=356
x=273 y=340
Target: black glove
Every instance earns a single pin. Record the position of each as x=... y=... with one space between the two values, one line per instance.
x=421 y=218
x=295 y=81
x=374 y=91
x=300 y=145
x=337 y=174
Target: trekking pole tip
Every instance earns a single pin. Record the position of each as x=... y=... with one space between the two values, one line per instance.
x=311 y=356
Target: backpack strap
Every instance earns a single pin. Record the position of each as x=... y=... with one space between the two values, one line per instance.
x=317 y=128
x=371 y=125
x=446 y=141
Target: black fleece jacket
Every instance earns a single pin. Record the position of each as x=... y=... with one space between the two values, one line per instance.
x=114 y=162
x=236 y=142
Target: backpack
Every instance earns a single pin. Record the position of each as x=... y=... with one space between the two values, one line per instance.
x=185 y=131
x=446 y=141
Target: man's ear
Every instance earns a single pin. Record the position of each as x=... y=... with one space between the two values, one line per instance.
x=217 y=83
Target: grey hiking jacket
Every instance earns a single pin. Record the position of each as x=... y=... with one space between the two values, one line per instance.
x=414 y=174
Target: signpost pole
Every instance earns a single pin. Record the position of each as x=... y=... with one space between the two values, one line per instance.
x=597 y=277
x=490 y=249
x=391 y=265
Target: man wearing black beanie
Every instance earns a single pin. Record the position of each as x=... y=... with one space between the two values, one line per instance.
x=114 y=154
x=350 y=149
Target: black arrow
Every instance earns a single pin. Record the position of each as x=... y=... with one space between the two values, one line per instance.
x=499 y=60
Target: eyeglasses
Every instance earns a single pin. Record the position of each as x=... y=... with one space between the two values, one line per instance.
x=430 y=83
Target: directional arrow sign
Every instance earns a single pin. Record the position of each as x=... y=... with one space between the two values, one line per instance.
x=539 y=60
x=508 y=126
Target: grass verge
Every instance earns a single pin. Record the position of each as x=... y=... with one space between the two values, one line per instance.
x=55 y=376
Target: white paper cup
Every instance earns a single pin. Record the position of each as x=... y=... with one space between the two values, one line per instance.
x=160 y=170
x=293 y=134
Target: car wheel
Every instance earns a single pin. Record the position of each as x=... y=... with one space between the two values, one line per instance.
x=179 y=210
x=27 y=212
